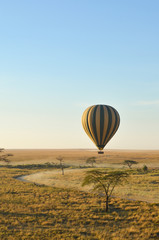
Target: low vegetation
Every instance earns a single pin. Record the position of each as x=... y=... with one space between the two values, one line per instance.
x=145 y=168
x=35 y=211
x=37 y=166
x=29 y=211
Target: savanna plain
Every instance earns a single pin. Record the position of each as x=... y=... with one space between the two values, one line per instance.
x=41 y=196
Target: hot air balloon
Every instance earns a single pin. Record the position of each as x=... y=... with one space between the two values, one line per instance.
x=100 y=122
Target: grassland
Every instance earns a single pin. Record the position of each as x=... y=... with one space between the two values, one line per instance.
x=78 y=157
x=31 y=211
x=141 y=186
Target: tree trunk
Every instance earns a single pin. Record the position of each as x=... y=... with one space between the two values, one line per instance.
x=62 y=170
x=106 y=203
x=129 y=166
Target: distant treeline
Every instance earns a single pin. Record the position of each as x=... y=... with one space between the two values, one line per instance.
x=47 y=165
x=36 y=166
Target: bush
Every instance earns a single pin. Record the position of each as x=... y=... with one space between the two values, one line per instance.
x=145 y=168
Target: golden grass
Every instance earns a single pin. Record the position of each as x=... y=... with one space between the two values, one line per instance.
x=140 y=186
x=29 y=211
x=79 y=157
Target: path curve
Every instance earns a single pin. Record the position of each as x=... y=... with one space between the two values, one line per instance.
x=55 y=178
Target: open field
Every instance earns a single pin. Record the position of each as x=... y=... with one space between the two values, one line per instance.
x=65 y=210
x=142 y=187
x=78 y=157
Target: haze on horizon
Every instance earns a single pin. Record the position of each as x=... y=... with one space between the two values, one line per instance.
x=59 y=57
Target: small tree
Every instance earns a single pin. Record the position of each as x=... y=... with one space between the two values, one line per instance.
x=104 y=181
x=145 y=168
x=91 y=160
x=129 y=163
x=4 y=157
x=60 y=159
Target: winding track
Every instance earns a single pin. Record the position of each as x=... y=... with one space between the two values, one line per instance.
x=54 y=178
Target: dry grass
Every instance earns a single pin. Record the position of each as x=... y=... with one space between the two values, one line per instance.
x=79 y=157
x=141 y=186
x=29 y=211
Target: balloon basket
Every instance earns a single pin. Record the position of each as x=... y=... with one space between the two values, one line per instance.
x=100 y=152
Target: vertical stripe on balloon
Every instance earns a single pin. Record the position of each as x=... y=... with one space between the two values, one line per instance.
x=100 y=122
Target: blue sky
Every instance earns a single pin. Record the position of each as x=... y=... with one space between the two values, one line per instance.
x=59 y=57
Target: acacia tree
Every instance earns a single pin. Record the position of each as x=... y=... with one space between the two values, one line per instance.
x=129 y=163
x=60 y=159
x=91 y=160
x=104 y=181
x=4 y=157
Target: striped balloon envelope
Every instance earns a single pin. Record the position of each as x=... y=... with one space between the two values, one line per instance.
x=100 y=122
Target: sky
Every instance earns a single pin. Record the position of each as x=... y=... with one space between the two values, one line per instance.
x=57 y=57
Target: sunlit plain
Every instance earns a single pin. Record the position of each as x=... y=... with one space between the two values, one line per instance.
x=62 y=209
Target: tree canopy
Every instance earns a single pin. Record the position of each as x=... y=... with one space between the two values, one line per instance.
x=130 y=163
x=91 y=160
x=4 y=157
x=104 y=181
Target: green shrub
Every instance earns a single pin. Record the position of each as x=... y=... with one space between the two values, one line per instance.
x=145 y=168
